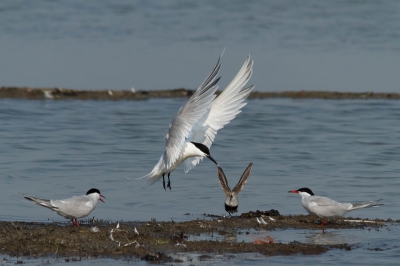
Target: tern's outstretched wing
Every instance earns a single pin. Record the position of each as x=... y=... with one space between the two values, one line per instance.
x=223 y=182
x=195 y=108
x=223 y=109
x=243 y=179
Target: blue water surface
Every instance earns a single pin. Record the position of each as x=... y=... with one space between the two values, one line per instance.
x=347 y=150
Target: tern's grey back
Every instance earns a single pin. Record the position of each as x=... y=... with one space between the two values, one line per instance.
x=325 y=207
x=75 y=207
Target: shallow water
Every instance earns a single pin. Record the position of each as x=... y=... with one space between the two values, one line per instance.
x=346 y=150
x=368 y=247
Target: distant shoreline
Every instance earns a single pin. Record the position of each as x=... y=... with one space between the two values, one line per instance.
x=114 y=95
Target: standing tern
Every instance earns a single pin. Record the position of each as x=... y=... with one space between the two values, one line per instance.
x=72 y=208
x=231 y=201
x=193 y=130
x=327 y=208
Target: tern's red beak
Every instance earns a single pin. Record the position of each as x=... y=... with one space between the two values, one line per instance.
x=101 y=196
x=293 y=191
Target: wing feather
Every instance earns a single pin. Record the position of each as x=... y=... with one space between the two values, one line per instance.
x=223 y=109
x=243 y=179
x=223 y=181
x=195 y=108
x=74 y=207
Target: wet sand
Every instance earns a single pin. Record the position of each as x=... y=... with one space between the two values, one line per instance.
x=158 y=241
x=63 y=94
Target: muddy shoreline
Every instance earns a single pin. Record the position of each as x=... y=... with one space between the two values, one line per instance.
x=159 y=241
x=64 y=94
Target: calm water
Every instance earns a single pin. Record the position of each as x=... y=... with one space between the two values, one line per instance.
x=297 y=45
x=346 y=150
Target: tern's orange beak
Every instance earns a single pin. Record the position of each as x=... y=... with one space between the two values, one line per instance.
x=101 y=196
x=293 y=191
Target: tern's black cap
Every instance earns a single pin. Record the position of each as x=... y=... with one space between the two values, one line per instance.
x=93 y=190
x=306 y=189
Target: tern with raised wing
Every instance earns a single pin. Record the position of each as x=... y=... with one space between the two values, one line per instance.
x=231 y=201
x=71 y=208
x=327 y=208
x=193 y=130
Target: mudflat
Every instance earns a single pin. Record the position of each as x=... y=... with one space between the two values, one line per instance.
x=63 y=94
x=158 y=241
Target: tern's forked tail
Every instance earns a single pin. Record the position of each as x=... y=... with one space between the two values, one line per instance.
x=42 y=202
x=149 y=179
x=366 y=204
x=154 y=175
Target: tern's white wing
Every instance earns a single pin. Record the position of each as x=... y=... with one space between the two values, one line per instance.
x=75 y=207
x=326 y=207
x=223 y=109
x=195 y=108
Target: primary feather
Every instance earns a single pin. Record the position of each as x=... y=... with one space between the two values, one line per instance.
x=199 y=120
x=222 y=110
x=188 y=115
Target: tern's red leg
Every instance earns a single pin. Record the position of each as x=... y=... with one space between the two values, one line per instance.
x=322 y=225
x=74 y=222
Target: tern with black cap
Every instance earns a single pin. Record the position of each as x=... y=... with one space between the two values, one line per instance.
x=71 y=208
x=193 y=130
x=327 y=208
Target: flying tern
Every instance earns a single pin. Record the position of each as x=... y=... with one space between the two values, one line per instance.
x=327 y=208
x=231 y=201
x=71 y=208
x=193 y=130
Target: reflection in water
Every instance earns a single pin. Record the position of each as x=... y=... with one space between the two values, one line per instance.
x=329 y=237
